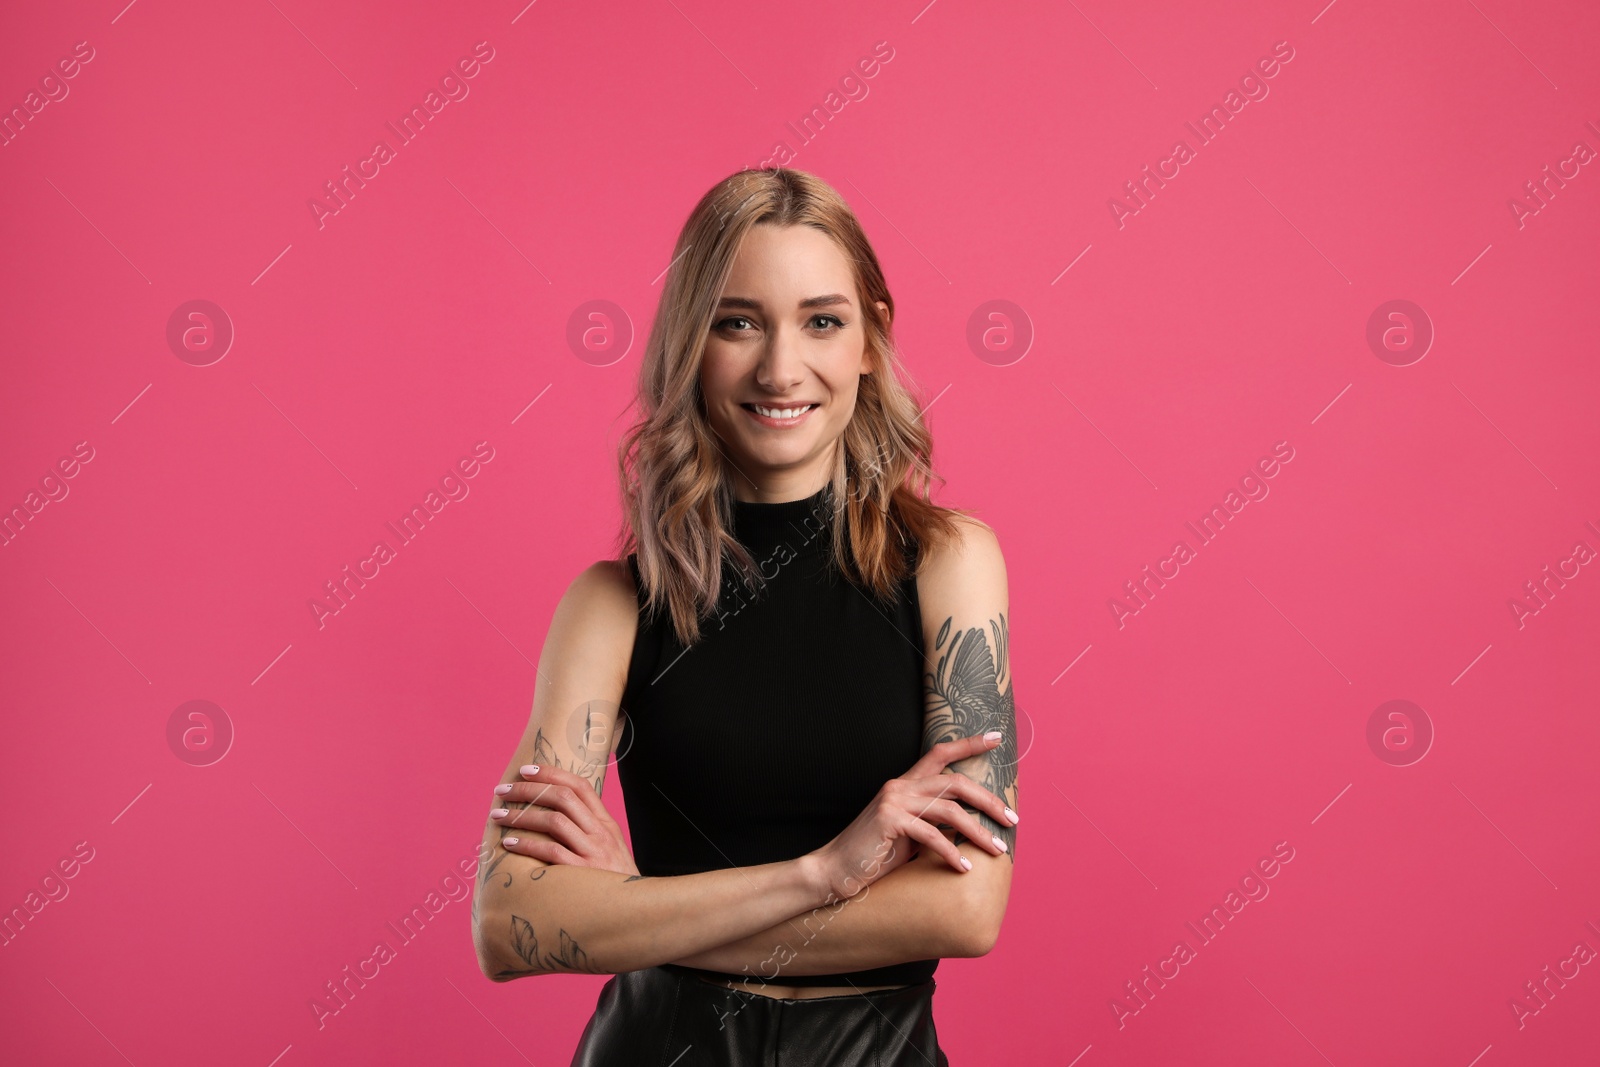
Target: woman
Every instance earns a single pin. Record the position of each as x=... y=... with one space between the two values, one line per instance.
x=811 y=660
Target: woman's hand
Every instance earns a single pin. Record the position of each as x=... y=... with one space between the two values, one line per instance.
x=909 y=810
x=557 y=802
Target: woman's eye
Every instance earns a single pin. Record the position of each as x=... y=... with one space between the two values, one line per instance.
x=819 y=323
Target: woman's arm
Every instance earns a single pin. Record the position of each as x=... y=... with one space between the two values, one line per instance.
x=870 y=929
x=925 y=910
x=532 y=917
x=965 y=604
x=599 y=922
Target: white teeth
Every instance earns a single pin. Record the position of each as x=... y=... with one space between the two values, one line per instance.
x=781 y=413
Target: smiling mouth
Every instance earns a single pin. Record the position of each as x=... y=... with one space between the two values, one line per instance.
x=782 y=414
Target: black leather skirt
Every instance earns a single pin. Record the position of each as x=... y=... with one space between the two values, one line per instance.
x=664 y=1017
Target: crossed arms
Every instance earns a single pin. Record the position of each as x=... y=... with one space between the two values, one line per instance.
x=534 y=915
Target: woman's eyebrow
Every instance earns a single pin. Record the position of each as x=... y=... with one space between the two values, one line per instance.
x=828 y=300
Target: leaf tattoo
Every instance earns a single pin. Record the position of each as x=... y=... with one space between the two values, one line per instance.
x=594 y=744
x=965 y=698
x=569 y=956
x=524 y=940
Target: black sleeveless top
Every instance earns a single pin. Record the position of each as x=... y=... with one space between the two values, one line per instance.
x=766 y=738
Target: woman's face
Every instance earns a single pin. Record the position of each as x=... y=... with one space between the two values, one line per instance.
x=783 y=360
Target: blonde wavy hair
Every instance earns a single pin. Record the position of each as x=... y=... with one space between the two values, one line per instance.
x=674 y=472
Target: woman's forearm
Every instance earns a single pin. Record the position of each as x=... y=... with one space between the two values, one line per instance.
x=917 y=911
x=535 y=919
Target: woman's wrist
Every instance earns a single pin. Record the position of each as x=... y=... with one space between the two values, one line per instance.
x=814 y=876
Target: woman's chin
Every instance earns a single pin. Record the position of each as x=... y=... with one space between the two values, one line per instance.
x=768 y=461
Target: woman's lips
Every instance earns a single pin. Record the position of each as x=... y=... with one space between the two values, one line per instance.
x=778 y=424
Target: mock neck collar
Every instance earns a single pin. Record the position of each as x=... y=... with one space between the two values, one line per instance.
x=795 y=522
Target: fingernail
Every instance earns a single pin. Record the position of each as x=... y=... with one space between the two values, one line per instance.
x=499 y=813
x=509 y=840
x=966 y=863
x=999 y=844
x=992 y=735
x=1012 y=816
x=502 y=790
x=530 y=769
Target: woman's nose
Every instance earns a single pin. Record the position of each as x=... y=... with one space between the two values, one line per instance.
x=780 y=367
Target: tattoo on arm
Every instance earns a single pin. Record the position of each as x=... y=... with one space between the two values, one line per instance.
x=489 y=868
x=588 y=763
x=600 y=718
x=567 y=956
x=964 y=698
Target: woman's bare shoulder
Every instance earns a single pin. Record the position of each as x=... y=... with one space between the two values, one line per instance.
x=602 y=590
x=592 y=631
x=974 y=550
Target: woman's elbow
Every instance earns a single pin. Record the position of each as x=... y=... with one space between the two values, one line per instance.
x=490 y=940
x=489 y=960
x=492 y=970
x=982 y=918
x=977 y=939
x=497 y=967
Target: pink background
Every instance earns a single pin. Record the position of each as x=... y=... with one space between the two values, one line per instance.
x=1168 y=754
